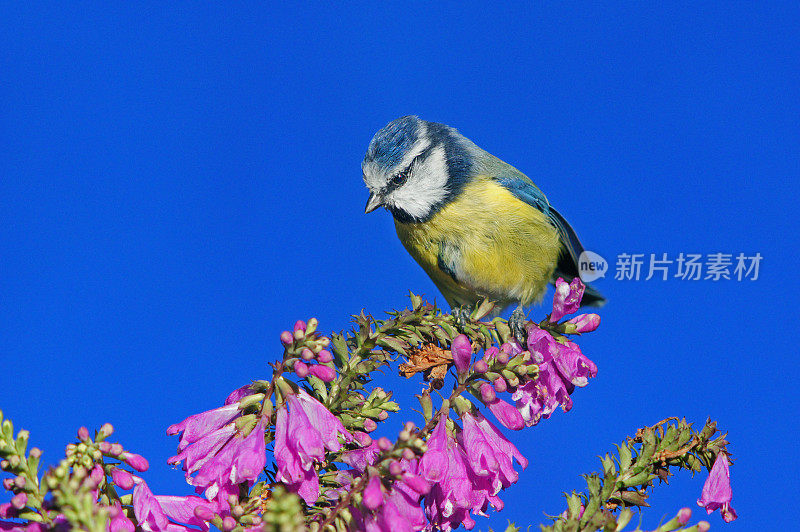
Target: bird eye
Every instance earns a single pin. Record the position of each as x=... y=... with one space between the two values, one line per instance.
x=399 y=179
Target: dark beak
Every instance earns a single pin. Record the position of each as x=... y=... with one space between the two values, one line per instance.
x=373 y=202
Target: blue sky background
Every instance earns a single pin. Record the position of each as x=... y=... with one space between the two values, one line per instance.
x=181 y=183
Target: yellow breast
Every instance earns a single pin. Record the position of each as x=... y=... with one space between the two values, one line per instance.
x=493 y=244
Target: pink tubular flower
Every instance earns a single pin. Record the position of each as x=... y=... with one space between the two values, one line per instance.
x=717 y=493
x=167 y=513
x=461 y=351
x=567 y=298
x=241 y=459
x=451 y=497
x=302 y=432
x=211 y=446
x=489 y=453
x=196 y=427
x=456 y=490
x=362 y=457
x=562 y=367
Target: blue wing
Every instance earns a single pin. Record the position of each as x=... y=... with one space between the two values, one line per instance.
x=524 y=189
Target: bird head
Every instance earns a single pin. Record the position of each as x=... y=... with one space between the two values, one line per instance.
x=413 y=168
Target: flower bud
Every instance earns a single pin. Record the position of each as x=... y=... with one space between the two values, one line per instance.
x=362 y=438
x=684 y=514
x=461 y=350
x=122 y=478
x=203 y=513
x=384 y=444
x=427 y=404
x=324 y=373
x=286 y=338
x=325 y=356
x=490 y=353
x=487 y=393
x=480 y=366
x=35 y=452
x=408 y=454
x=228 y=524
x=8 y=483
x=585 y=322
x=395 y=468
x=500 y=385
x=502 y=358
x=97 y=475
x=107 y=430
x=307 y=354
x=370 y=425
x=300 y=325
x=703 y=526
x=300 y=368
x=83 y=434
x=19 y=501
x=136 y=461
x=311 y=326
x=19 y=481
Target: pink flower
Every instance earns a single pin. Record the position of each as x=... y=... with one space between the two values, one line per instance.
x=196 y=427
x=717 y=493
x=211 y=446
x=455 y=489
x=567 y=298
x=362 y=457
x=241 y=459
x=561 y=368
x=573 y=366
x=489 y=453
x=461 y=350
x=302 y=432
x=167 y=513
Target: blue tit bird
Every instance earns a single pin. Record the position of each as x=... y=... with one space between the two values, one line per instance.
x=478 y=226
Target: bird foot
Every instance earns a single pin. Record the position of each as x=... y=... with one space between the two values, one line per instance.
x=517 y=323
x=461 y=315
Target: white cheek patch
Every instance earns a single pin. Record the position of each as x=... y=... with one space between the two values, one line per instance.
x=426 y=186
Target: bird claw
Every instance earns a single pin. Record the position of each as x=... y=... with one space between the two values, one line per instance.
x=517 y=323
x=461 y=315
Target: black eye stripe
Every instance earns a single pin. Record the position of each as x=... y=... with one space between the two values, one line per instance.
x=400 y=178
